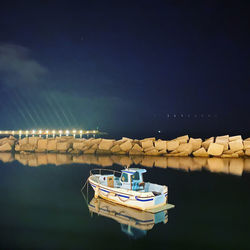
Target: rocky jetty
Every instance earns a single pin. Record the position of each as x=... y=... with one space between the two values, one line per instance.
x=221 y=146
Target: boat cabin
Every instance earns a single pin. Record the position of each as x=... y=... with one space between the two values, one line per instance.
x=132 y=179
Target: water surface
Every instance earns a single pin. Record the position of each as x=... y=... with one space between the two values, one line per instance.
x=42 y=206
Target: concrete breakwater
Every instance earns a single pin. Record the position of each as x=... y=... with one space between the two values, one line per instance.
x=221 y=146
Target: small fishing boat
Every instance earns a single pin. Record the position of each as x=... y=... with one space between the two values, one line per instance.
x=128 y=188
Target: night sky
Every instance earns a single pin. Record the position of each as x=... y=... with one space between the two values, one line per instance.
x=130 y=68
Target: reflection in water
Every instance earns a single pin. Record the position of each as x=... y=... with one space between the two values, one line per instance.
x=235 y=166
x=134 y=223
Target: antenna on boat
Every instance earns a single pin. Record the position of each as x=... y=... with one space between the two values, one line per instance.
x=126 y=166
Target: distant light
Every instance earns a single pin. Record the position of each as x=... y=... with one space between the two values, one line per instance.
x=33 y=131
x=26 y=132
x=159 y=131
x=94 y=131
x=53 y=131
x=87 y=132
x=20 y=132
x=13 y=132
x=60 y=131
x=47 y=131
x=40 y=131
x=80 y=131
x=74 y=131
x=66 y=131
x=6 y=132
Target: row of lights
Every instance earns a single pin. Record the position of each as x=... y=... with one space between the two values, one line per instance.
x=67 y=132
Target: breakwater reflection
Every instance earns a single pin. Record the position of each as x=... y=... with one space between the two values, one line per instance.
x=234 y=166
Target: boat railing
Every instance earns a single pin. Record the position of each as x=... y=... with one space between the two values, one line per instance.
x=102 y=171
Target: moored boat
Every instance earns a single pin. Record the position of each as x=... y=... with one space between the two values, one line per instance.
x=128 y=188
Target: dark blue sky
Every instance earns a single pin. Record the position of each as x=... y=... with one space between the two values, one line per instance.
x=127 y=67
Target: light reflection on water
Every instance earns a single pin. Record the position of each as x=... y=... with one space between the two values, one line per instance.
x=234 y=166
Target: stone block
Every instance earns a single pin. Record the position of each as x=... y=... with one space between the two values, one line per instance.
x=104 y=152
x=33 y=140
x=126 y=146
x=196 y=143
x=162 y=152
x=222 y=137
x=222 y=140
x=185 y=148
x=91 y=150
x=215 y=149
x=25 y=140
x=115 y=148
x=150 y=138
x=172 y=145
x=27 y=147
x=17 y=148
x=236 y=145
x=247 y=152
x=119 y=142
x=121 y=153
x=160 y=145
x=201 y=152
x=182 y=139
x=78 y=145
x=106 y=144
x=233 y=155
x=183 y=153
x=137 y=147
x=63 y=146
x=207 y=142
x=148 y=149
x=136 y=150
x=240 y=153
x=6 y=147
x=246 y=144
x=42 y=145
x=234 y=138
x=147 y=144
x=152 y=152
x=126 y=139
x=52 y=145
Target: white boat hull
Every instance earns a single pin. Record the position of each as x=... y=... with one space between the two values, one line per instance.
x=129 y=198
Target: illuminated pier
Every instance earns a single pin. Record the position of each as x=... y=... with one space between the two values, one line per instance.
x=53 y=132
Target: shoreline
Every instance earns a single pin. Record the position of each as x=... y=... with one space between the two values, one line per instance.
x=221 y=146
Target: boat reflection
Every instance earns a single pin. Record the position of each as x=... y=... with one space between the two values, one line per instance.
x=234 y=166
x=134 y=223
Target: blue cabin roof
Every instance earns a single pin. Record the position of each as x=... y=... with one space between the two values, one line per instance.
x=131 y=171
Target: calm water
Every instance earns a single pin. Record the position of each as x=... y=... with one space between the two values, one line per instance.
x=42 y=207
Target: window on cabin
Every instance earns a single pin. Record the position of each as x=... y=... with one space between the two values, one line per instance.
x=124 y=177
x=136 y=176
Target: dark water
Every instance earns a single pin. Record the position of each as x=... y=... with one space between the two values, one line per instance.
x=42 y=208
